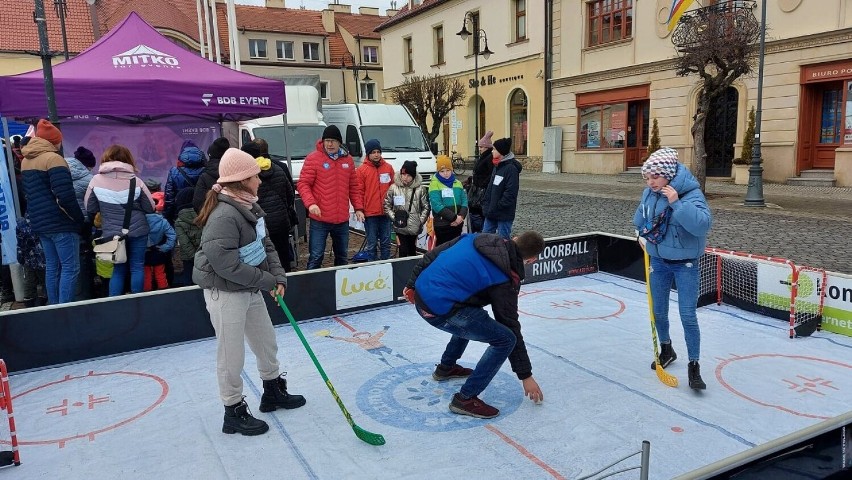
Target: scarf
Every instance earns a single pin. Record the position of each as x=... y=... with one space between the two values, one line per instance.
x=447 y=181
x=335 y=156
x=240 y=196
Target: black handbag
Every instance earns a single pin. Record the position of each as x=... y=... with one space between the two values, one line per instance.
x=400 y=217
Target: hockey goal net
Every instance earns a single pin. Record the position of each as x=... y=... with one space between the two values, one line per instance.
x=770 y=286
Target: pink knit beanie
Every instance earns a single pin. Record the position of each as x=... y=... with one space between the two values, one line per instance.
x=236 y=165
x=485 y=141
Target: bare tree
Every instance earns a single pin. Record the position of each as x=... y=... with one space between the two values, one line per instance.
x=432 y=96
x=718 y=43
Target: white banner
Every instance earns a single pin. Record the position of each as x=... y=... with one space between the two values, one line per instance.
x=360 y=286
x=8 y=222
x=774 y=284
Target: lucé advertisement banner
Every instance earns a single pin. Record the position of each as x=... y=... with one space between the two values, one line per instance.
x=359 y=286
x=564 y=258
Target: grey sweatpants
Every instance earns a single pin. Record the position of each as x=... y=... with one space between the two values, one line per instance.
x=237 y=316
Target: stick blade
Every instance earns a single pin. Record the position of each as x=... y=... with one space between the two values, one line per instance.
x=369 y=437
x=666 y=377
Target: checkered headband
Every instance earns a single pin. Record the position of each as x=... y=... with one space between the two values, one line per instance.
x=663 y=162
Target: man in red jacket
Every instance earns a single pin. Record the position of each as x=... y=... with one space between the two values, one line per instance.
x=375 y=176
x=327 y=184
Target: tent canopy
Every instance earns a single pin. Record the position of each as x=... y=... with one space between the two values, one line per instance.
x=134 y=71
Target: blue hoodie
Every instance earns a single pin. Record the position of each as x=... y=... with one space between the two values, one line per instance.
x=690 y=220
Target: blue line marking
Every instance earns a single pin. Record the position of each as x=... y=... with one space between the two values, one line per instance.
x=282 y=431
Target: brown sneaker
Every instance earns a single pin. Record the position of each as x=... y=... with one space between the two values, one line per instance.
x=443 y=372
x=473 y=407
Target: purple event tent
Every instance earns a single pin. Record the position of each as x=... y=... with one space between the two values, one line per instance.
x=134 y=71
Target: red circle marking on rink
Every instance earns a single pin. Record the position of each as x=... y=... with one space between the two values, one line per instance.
x=617 y=305
x=726 y=362
x=677 y=429
x=91 y=435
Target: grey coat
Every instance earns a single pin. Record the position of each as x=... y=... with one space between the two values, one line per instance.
x=420 y=208
x=217 y=262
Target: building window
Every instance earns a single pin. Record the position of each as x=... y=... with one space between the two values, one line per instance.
x=257 y=48
x=324 y=91
x=310 y=51
x=518 y=119
x=371 y=55
x=368 y=92
x=520 y=20
x=408 y=62
x=285 y=50
x=610 y=21
x=438 y=35
x=602 y=126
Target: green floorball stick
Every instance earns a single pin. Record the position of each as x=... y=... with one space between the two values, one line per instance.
x=369 y=437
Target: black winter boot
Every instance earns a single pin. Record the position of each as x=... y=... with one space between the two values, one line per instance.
x=667 y=356
x=275 y=396
x=695 y=381
x=238 y=419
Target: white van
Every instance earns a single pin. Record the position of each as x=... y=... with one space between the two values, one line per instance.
x=304 y=123
x=392 y=125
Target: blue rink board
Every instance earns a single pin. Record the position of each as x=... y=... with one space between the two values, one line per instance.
x=157 y=412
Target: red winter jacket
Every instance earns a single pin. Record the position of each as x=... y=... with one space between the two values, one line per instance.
x=331 y=185
x=375 y=181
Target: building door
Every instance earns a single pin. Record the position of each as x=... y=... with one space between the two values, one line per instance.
x=829 y=118
x=637 y=133
x=720 y=134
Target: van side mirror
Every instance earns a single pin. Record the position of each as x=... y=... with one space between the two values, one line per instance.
x=353 y=141
x=354 y=148
x=434 y=148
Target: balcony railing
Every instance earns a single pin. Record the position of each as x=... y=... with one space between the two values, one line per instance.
x=728 y=21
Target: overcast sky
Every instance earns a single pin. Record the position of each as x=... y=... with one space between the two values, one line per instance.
x=321 y=4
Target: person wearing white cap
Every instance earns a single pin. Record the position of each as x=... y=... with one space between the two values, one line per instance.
x=235 y=264
x=673 y=220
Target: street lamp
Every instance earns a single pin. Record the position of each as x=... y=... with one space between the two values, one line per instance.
x=357 y=67
x=478 y=34
x=62 y=11
x=754 y=194
x=46 y=66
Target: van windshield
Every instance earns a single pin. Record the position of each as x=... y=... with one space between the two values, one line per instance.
x=395 y=138
x=302 y=140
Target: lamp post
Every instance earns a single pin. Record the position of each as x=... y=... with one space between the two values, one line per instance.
x=754 y=194
x=62 y=11
x=47 y=67
x=478 y=34
x=356 y=68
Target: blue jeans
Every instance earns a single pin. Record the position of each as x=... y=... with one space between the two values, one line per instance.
x=61 y=265
x=473 y=323
x=500 y=227
x=685 y=275
x=135 y=264
x=339 y=242
x=378 y=229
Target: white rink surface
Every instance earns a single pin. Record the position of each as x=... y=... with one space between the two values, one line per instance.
x=157 y=414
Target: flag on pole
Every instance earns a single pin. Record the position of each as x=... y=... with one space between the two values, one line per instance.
x=677 y=10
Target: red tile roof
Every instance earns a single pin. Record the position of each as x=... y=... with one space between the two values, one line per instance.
x=177 y=15
x=406 y=13
x=360 y=25
x=20 y=33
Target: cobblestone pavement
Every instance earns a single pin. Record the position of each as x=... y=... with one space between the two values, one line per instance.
x=808 y=225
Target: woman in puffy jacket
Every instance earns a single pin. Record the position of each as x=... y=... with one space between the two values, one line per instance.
x=235 y=266
x=407 y=194
x=108 y=193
